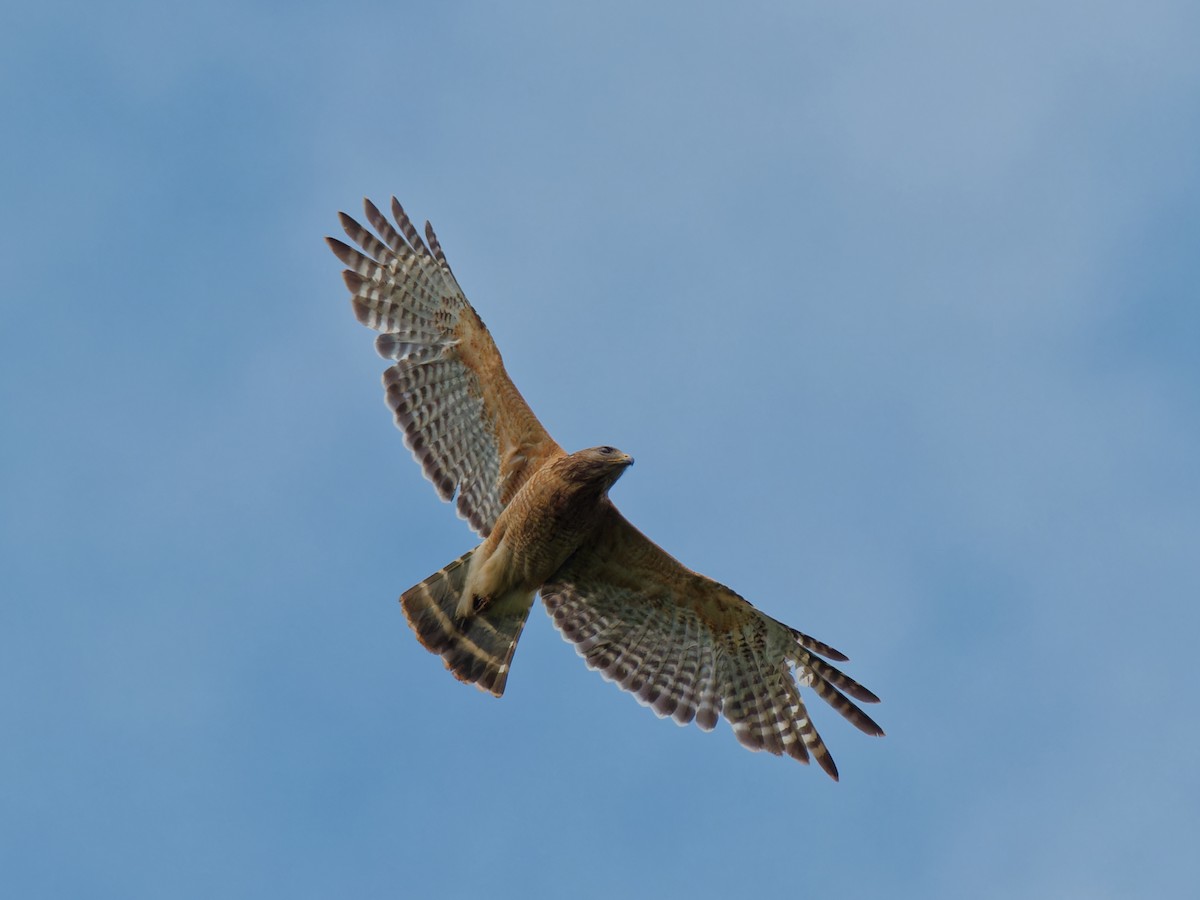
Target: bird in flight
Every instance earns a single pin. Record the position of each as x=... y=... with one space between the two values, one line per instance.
x=682 y=644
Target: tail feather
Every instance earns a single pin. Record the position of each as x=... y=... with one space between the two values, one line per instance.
x=477 y=649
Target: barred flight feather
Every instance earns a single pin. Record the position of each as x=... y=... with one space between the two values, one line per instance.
x=466 y=425
x=691 y=649
x=683 y=645
x=811 y=643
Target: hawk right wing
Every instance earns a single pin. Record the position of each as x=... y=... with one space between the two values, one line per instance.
x=463 y=419
x=690 y=648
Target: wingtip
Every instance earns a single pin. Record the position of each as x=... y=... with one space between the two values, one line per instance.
x=341 y=249
x=820 y=647
x=353 y=280
x=826 y=762
x=869 y=726
x=350 y=225
x=434 y=245
x=399 y=214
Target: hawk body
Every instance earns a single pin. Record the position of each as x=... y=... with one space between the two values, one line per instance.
x=682 y=644
x=555 y=512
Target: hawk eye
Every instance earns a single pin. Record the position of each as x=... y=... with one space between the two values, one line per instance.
x=607 y=451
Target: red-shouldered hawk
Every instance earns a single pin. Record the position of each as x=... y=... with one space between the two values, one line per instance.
x=681 y=643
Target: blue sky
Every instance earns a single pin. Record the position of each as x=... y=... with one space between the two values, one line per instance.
x=896 y=308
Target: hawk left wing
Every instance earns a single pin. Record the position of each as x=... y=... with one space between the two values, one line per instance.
x=690 y=648
x=463 y=419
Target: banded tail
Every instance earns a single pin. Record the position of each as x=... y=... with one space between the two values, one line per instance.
x=477 y=649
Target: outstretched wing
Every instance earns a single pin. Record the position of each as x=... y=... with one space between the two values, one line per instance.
x=462 y=417
x=691 y=648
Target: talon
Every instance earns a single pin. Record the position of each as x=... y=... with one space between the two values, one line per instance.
x=479 y=604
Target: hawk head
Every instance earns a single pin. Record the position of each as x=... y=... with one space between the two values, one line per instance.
x=597 y=465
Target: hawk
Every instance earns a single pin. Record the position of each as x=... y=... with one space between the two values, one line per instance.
x=682 y=644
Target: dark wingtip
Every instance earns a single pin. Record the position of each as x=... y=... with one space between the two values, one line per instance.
x=371 y=209
x=434 y=245
x=353 y=280
x=826 y=762
x=820 y=647
x=408 y=229
x=341 y=249
x=867 y=725
x=363 y=312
